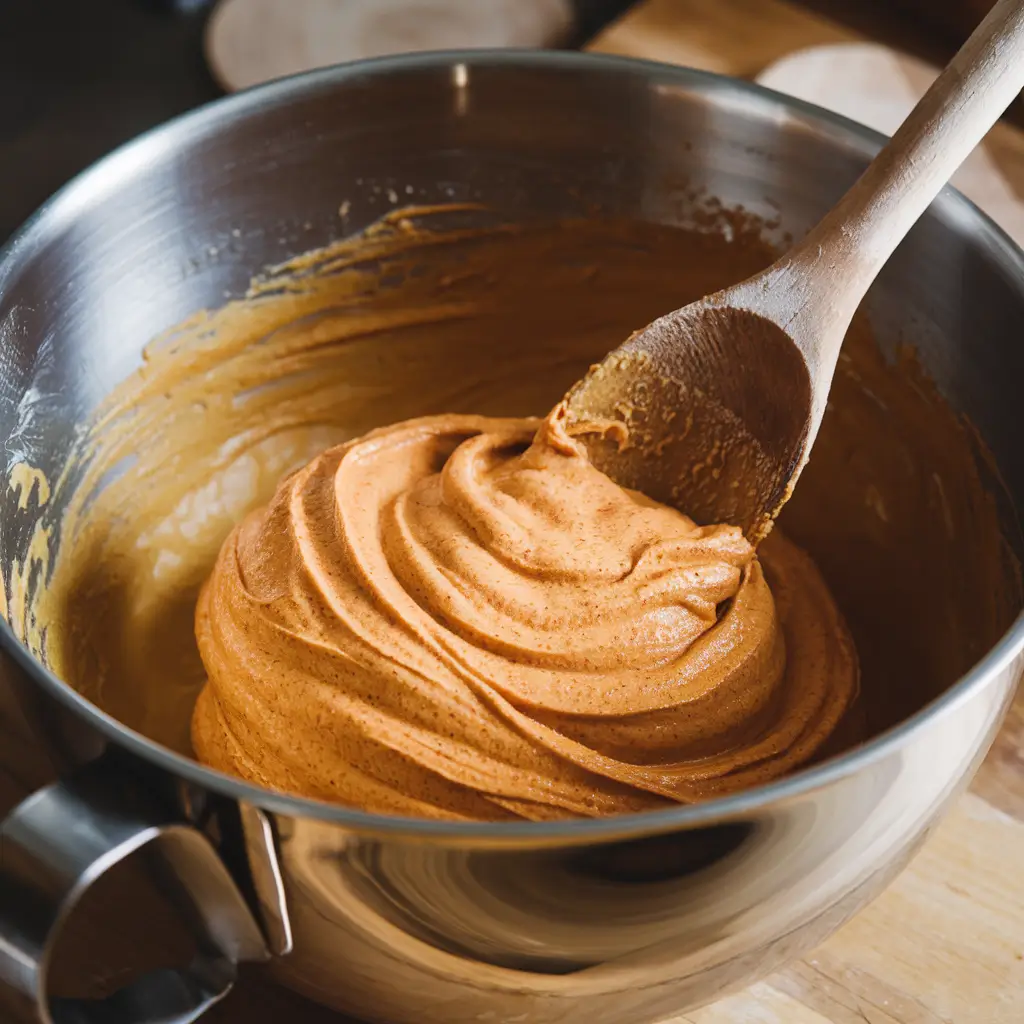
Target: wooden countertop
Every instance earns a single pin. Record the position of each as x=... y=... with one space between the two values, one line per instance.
x=945 y=944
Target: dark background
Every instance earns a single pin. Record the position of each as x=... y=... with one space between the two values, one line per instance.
x=78 y=77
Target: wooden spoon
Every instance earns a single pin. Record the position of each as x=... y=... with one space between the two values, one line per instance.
x=714 y=408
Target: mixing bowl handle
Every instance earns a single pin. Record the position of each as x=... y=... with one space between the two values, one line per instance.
x=59 y=842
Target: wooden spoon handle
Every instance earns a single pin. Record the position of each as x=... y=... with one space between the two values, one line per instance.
x=856 y=238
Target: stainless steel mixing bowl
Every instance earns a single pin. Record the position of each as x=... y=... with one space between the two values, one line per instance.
x=626 y=919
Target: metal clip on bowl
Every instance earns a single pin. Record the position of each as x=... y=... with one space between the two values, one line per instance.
x=59 y=842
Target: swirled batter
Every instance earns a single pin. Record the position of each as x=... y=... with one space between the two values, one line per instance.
x=460 y=616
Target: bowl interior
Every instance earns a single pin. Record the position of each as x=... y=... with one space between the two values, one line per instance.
x=181 y=221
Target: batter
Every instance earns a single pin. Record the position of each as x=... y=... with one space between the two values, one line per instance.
x=459 y=616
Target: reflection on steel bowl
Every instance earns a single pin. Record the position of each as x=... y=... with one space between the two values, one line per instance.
x=634 y=917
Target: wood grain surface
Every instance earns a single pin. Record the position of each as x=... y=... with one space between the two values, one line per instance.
x=945 y=943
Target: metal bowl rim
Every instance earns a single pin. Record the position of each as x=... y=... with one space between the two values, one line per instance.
x=165 y=138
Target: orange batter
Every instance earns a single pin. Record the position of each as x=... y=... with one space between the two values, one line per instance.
x=461 y=617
